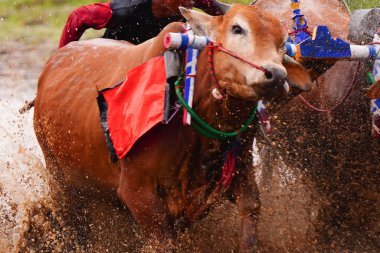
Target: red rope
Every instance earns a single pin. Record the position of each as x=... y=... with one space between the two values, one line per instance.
x=210 y=66
x=218 y=47
x=228 y=170
x=341 y=102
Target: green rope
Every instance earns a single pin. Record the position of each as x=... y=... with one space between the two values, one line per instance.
x=204 y=128
x=370 y=78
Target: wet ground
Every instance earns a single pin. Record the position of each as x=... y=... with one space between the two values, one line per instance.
x=22 y=179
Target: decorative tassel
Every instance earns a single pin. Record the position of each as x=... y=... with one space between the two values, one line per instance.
x=228 y=170
x=229 y=165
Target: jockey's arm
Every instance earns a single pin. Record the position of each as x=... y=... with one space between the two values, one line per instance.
x=98 y=15
x=207 y=6
x=165 y=8
x=94 y=16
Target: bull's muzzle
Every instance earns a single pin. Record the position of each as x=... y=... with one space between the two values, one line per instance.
x=275 y=79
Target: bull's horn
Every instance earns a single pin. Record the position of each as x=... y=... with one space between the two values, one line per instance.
x=253 y=2
x=222 y=6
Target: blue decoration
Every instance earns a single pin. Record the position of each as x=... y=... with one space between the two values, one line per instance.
x=289 y=49
x=323 y=45
x=185 y=41
x=299 y=23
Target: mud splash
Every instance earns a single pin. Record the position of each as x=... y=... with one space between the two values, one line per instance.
x=315 y=195
x=23 y=184
x=32 y=222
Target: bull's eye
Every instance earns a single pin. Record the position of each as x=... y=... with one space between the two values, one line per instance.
x=236 y=29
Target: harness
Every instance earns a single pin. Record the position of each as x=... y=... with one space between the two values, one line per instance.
x=185 y=98
x=186 y=101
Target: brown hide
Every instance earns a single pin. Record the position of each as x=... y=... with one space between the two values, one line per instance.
x=169 y=176
x=319 y=174
x=66 y=111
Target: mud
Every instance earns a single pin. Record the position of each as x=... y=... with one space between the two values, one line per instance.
x=318 y=177
x=337 y=155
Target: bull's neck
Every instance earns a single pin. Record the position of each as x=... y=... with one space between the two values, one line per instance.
x=227 y=114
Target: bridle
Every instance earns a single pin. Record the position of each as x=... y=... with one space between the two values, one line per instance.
x=198 y=123
x=212 y=46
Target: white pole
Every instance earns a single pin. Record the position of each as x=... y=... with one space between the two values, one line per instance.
x=375 y=103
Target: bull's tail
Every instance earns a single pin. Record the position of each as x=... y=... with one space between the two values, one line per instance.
x=27 y=106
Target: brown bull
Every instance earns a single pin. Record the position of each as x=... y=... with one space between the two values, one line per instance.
x=171 y=172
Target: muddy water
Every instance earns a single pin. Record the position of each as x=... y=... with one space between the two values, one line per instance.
x=22 y=179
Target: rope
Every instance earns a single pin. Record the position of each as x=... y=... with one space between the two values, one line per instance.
x=219 y=47
x=305 y=29
x=341 y=102
x=210 y=65
x=204 y=128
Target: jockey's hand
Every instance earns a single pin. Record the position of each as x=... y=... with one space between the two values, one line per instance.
x=168 y=8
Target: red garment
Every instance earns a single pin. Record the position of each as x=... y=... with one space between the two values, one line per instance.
x=137 y=105
x=94 y=16
x=98 y=16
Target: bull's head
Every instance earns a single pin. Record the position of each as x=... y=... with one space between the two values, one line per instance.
x=257 y=36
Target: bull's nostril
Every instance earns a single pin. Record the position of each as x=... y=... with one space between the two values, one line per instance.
x=268 y=75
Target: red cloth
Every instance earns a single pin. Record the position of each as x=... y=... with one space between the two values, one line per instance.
x=95 y=16
x=98 y=16
x=137 y=105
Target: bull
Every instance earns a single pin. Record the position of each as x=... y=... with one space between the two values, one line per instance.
x=171 y=172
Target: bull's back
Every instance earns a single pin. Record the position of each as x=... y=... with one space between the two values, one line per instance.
x=67 y=120
x=66 y=111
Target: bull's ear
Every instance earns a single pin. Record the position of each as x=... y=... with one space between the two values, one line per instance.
x=298 y=77
x=201 y=23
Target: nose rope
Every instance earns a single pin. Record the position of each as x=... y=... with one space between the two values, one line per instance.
x=218 y=47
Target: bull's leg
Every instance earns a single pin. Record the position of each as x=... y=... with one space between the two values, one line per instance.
x=248 y=204
x=138 y=191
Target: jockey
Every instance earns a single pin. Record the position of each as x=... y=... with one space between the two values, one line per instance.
x=132 y=20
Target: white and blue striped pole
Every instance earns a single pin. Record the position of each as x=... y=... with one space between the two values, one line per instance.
x=358 y=52
x=375 y=103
